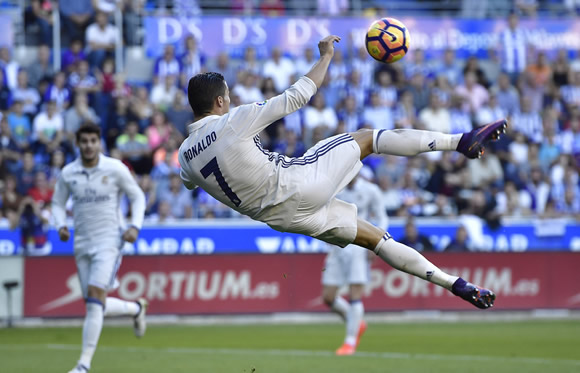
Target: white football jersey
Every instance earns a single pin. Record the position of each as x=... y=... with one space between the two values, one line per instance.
x=224 y=156
x=368 y=199
x=96 y=193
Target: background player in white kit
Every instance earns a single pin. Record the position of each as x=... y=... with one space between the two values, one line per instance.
x=351 y=265
x=224 y=156
x=96 y=183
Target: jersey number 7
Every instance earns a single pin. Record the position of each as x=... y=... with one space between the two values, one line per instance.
x=212 y=167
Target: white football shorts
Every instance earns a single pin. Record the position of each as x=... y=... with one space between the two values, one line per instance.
x=346 y=266
x=98 y=268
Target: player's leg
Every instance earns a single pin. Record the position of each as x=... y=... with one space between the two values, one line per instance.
x=333 y=277
x=355 y=324
x=409 y=142
x=407 y=259
x=336 y=303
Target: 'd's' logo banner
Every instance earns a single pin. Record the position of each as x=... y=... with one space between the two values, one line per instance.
x=286 y=283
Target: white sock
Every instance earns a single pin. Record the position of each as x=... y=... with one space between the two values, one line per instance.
x=353 y=320
x=341 y=307
x=408 y=142
x=407 y=259
x=91 y=330
x=119 y=307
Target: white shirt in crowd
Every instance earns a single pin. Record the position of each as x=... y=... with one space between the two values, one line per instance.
x=280 y=72
x=47 y=126
x=97 y=35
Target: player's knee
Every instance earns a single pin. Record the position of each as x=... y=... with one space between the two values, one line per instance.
x=97 y=293
x=328 y=299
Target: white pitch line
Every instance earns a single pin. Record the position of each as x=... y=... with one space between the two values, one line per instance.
x=307 y=353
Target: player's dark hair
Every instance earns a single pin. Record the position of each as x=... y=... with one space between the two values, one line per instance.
x=202 y=91
x=88 y=128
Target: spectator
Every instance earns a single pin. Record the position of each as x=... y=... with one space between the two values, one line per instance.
x=490 y=112
x=414 y=239
x=77 y=115
x=75 y=16
x=57 y=162
x=208 y=207
x=333 y=7
x=350 y=117
x=41 y=68
x=355 y=89
x=82 y=81
x=449 y=67
x=179 y=113
x=159 y=131
x=135 y=149
x=513 y=46
x=571 y=92
x=484 y=172
x=435 y=117
x=73 y=55
x=386 y=90
x=25 y=94
x=365 y=66
x=101 y=39
x=40 y=14
x=25 y=176
x=472 y=66
x=141 y=108
x=166 y=65
x=169 y=149
x=10 y=67
x=507 y=95
x=163 y=93
x=513 y=202
x=251 y=63
x=280 y=69
x=560 y=68
x=289 y=144
x=58 y=92
x=528 y=121
x=527 y=8
x=459 y=120
x=19 y=125
x=377 y=116
x=11 y=199
x=9 y=149
x=161 y=172
x=540 y=72
x=305 y=63
x=150 y=190
x=532 y=91
x=247 y=88
x=179 y=198
x=475 y=94
x=33 y=218
x=459 y=243
x=417 y=65
x=5 y=94
x=192 y=61
x=538 y=189
x=320 y=115
x=420 y=91
x=41 y=192
x=118 y=121
x=223 y=65
x=338 y=71
x=163 y=215
x=47 y=129
x=107 y=6
x=405 y=114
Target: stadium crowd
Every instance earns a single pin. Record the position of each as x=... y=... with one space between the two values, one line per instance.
x=532 y=170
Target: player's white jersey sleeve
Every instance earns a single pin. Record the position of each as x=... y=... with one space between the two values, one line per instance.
x=59 y=199
x=248 y=120
x=128 y=184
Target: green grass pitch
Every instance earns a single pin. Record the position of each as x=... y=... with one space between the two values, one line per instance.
x=531 y=346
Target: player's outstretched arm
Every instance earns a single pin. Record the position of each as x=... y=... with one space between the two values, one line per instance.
x=326 y=48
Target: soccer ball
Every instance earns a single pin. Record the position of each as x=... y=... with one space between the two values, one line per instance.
x=387 y=40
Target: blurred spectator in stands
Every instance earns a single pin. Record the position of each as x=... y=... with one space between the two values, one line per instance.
x=192 y=61
x=289 y=144
x=420 y=91
x=82 y=81
x=165 y=65
x=135 y=149
x=570 y=204
x=569 y=139
x=513 y=202
x=121 y=88
x=354 y=88
x=159 y=131
x=531 y=90
x=163 y=215
x=474 y=9
x=141 y=107
x=9 y=66
x=459 y=243
x=107 y=6
x=208 y=207
x=414 y=239
x=459 y=120
x=133 y=13
x=385 y=88
x=560 y=68
x=33 y=218
x=280 y=69
x=5 y=94
x=449 y=67
x=272 y=8
x=490 y=112
x=405 y=114
x=305 y=62
x=338 y=71
x=223 y=65
x=507 y=95
x=163 y=93
x=540 y=71
x=9 y=148
x=528 y=121
x=377 y=116
x=57 y=162
x=179 y=198
x=527 y=8
x=41 y=191
x=572 y=6
x=247 y=88
x=251 y=62
x=58 y=92
x=571 y=92
x=417 y=64
x=446 y=176
x=47 y=130
x=75 y=16
x=513 y=46
x=538 y=189
x=481 y=173
x=27 y=95
x=118 y=121
x=179 y=113
x=491 y=66
x=435 y=117
x=318 y=114
x=549 y=149
x=472 y=66
x=518 y=149
x=443 y=89
x=168 y=150
x=101 y=39
x=10 y=200
x=333 y=7
x=475 y=94
x=80 y=113
x=150 y=190
x=39 y=15
x=365 y=65
x=19 y=124
x=161 y=171
x=350 y=115
x=25 y=176
x=41 y=68
x=73 y=55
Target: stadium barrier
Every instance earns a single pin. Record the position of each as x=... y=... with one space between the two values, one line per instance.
x=253 y=283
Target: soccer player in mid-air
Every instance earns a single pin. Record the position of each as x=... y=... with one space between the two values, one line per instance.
x=96 y=184
x=224 y=156
x=351 y=266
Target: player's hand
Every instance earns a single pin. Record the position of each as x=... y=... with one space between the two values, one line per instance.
x=63 y=234
x=130 y=235
x=326 y=45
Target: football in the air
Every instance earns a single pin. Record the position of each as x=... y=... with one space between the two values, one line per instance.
x=387 y=40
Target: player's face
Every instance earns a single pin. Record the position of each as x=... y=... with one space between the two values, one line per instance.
x=89 y=146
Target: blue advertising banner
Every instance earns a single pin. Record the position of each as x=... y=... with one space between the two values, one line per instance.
x=6 y=31
x=228 y=237
x=292 y=35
